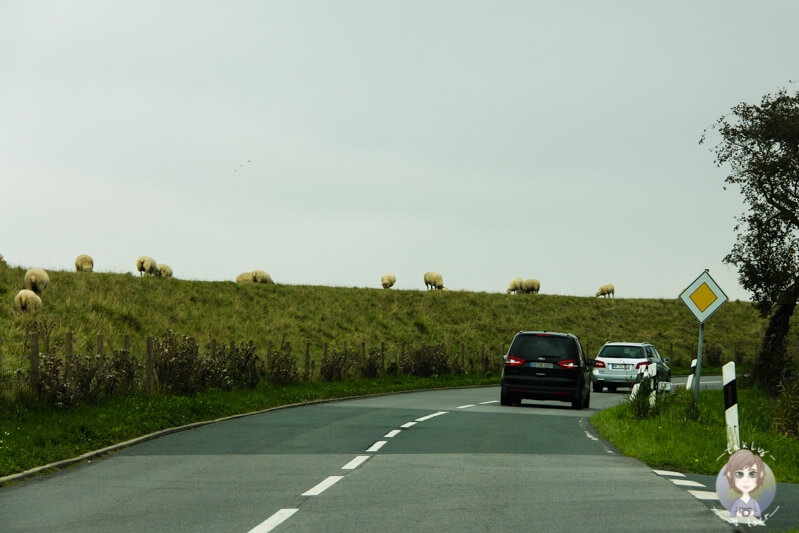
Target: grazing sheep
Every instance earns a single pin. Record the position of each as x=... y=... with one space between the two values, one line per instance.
x=244 y=277
x=606 y=290
x=388 y=280
x=515 y=285
x=147 y=266
x=259 y=276
x=531 y=286
x=84 y=263
x=433 y=280
x=27 y=301
x=36 y=280
x=165 y=271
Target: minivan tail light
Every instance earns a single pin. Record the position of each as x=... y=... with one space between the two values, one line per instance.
x=513 y=361
x=571 y=363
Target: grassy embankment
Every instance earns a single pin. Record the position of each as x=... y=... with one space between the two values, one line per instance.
x=88 y=304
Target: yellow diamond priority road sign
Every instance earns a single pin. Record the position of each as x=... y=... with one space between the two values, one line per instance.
x=703 y=297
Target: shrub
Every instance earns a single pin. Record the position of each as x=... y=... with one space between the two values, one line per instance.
x=712 y=355
x=786 y=408
x=425 y=361
x=334 y=366
x=282 y=368
x=370 y=366
x=639 y=402
x=235 y=367
x=176 y=364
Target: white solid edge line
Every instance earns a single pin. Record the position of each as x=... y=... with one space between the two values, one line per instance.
x=486 y=403
x=704 y=495
x=273 y=521
x=323 y=486
x=465 y=406
x=668 y=473
x=355 y=463
x=406 y=425
x=392 y=433
x=376 y=446
x=428 y=417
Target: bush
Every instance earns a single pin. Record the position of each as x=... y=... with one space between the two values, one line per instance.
x=282 y=368
x=176 y=364
x=234 y=367
x=639 y=402
x=370 y=366
x=786 y=408
x=334 y=366
x=425 y=361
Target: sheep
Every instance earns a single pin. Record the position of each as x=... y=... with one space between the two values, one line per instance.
x=84 y=263
x=147 y=266
x=433 y=280
x=244 y=277
x=606 y=290
x=388 y=280
x=164 y=271
x=259 y=276
x=36 y=280
x=26 y=300
x=515 y=285
x=531 y=286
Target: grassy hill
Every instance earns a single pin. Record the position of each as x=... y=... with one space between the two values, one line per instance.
x=88 y=304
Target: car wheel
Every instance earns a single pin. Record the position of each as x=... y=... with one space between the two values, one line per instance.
x=505 y=398
x=577 y=403
x=597 y=387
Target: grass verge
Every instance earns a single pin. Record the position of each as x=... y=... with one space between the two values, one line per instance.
x=674 y=438
x=31 y=437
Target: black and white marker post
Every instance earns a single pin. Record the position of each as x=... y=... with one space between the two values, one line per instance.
x=731 y=407
x=690 y=383
x=703 y=297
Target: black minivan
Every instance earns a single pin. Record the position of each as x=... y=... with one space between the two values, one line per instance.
x=544 y=365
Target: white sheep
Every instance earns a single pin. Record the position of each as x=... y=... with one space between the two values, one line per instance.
x=531 y=286
x=606 y=290
x=164 y=271
x=26 y=300
x=515 y=285
x=244 y=277
x=36 y=280
x=388 y=280
x=84 y=263
x=147 y=266
x=259 y=276
x=433 y=280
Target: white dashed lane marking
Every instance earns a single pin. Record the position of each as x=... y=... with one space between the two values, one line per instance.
x=406 y=425
x=428 y=417
x=465 y=406
x=686 y=483
x=273 y=521
x=323 y=486
x=392 y=433
x=376 y=446
x=355 y=463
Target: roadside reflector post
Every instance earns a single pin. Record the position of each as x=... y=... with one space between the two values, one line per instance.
x=690 y=383
x=653 y=374
x=731 y=407
x=703 y=297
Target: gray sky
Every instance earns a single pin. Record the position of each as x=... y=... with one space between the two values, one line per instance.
x=330 y=142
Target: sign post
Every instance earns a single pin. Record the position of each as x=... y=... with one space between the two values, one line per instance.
x=703 y=297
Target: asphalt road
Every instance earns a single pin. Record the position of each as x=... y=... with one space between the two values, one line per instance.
x=452 y=460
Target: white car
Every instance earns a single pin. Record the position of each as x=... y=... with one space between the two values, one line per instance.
x=618 y=365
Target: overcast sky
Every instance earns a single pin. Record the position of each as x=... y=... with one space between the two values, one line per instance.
x=330 y=142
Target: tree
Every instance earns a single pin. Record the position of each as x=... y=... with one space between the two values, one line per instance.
x=760 y=144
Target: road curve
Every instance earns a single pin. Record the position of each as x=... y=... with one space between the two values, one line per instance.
x=452 y=460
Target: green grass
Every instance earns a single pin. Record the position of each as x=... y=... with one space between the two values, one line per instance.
x=88 y=304
x=31 y=437
x=672 y=440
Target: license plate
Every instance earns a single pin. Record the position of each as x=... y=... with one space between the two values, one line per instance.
x=618 y=366
x=541 y=365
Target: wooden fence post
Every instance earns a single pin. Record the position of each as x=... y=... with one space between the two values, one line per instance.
x=68 y=361
x=269 y=355
x=382 y=357
x=463 y=358
x=363 y=353
x=212 y=347
x=126 y=343
x=307 y=361
x=148 y=366
x=34 y=359
x=100 y=344
x=483 y=362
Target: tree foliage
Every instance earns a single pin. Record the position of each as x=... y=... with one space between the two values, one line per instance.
x=760 y=145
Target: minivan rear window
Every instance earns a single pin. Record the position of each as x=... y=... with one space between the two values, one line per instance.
x=627 y=352
x=538 y=346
